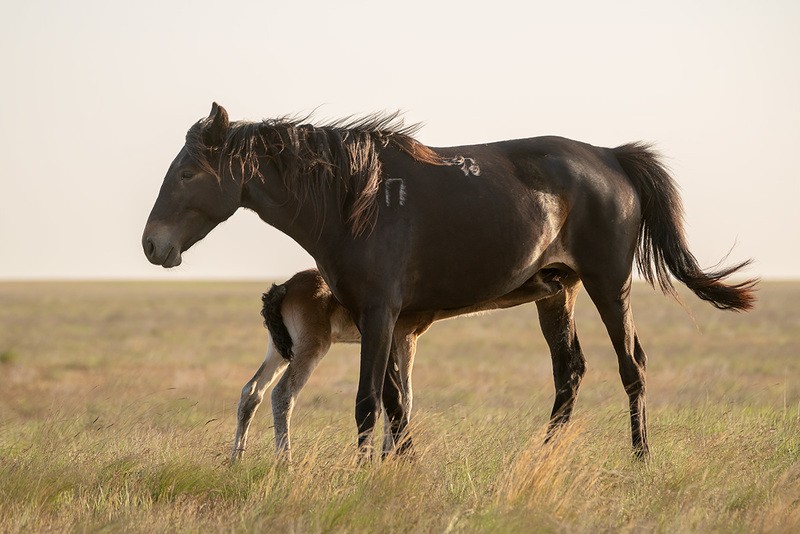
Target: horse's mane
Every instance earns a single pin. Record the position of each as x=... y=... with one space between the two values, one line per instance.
x=340 y=156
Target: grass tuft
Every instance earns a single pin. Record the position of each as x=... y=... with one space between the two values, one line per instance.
x=8 y=357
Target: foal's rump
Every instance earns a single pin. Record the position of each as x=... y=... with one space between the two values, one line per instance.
x=302 y=310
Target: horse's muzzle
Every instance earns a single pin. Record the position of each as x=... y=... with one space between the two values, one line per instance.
x=161 y=251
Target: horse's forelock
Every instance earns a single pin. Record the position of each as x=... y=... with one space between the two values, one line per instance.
x=197 y=148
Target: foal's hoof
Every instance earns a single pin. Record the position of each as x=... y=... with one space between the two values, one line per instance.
x=236 y=457
x=284 y=457
x=364 y=455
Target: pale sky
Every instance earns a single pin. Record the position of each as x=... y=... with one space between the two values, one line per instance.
x=97 y=97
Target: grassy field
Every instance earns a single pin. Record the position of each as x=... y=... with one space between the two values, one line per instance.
x=117 y=412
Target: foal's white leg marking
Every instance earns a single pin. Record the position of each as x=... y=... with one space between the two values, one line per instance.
x=253 y=394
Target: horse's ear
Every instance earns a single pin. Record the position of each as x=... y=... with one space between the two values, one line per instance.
x=216 y=127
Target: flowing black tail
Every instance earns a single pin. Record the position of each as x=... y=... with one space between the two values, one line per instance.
x=661 y=247
x=273 y=320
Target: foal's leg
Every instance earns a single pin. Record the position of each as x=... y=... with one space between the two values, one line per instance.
x=253 y=394
x=398 y=394
x=307 y=355
x=569 y=365
x=613 y=303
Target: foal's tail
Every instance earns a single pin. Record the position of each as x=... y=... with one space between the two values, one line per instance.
x=273 y=320
x=662 y=248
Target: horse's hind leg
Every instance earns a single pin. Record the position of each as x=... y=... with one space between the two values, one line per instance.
x=569 y=365
x=253 y=394
x=613 y=302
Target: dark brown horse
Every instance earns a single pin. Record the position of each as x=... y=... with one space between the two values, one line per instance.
x=397 y=227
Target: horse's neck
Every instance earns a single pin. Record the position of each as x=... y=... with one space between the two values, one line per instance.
x=280 y=209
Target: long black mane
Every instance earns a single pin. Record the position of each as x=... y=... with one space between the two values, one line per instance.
x=341 y=156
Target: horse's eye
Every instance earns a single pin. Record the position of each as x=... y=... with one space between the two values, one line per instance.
x=186 y=175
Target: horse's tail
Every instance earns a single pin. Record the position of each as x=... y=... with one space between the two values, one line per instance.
x=661 y=247
x=273 y=320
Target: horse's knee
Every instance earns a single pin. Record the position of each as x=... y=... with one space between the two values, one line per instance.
x=577 y=367
x=633 y=375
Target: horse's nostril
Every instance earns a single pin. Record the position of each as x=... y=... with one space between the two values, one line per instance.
x=150 y=247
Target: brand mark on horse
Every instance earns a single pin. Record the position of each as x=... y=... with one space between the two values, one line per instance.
x=468 y=165
x=395 y=184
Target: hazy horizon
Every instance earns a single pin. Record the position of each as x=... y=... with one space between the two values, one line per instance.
x=97 y=98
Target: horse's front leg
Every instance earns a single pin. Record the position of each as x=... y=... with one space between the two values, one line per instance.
x=376 y=325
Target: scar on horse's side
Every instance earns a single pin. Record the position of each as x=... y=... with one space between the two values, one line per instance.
x=304 y=319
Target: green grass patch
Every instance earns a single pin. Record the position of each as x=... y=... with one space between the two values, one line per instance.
x=7 y=357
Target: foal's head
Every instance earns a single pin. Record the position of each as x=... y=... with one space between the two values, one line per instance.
x=194 y=197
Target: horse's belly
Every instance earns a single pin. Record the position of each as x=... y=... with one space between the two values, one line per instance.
x=458 y=276
x=468 y=259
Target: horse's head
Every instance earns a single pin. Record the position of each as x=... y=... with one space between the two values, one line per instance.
x=194 y=197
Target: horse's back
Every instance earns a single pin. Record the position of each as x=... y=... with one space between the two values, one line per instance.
x=485 y=221
x=500 y=212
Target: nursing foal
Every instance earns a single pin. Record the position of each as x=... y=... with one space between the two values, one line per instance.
x=304 y=319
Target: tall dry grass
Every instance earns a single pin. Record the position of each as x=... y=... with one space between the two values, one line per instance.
x=117 y=411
